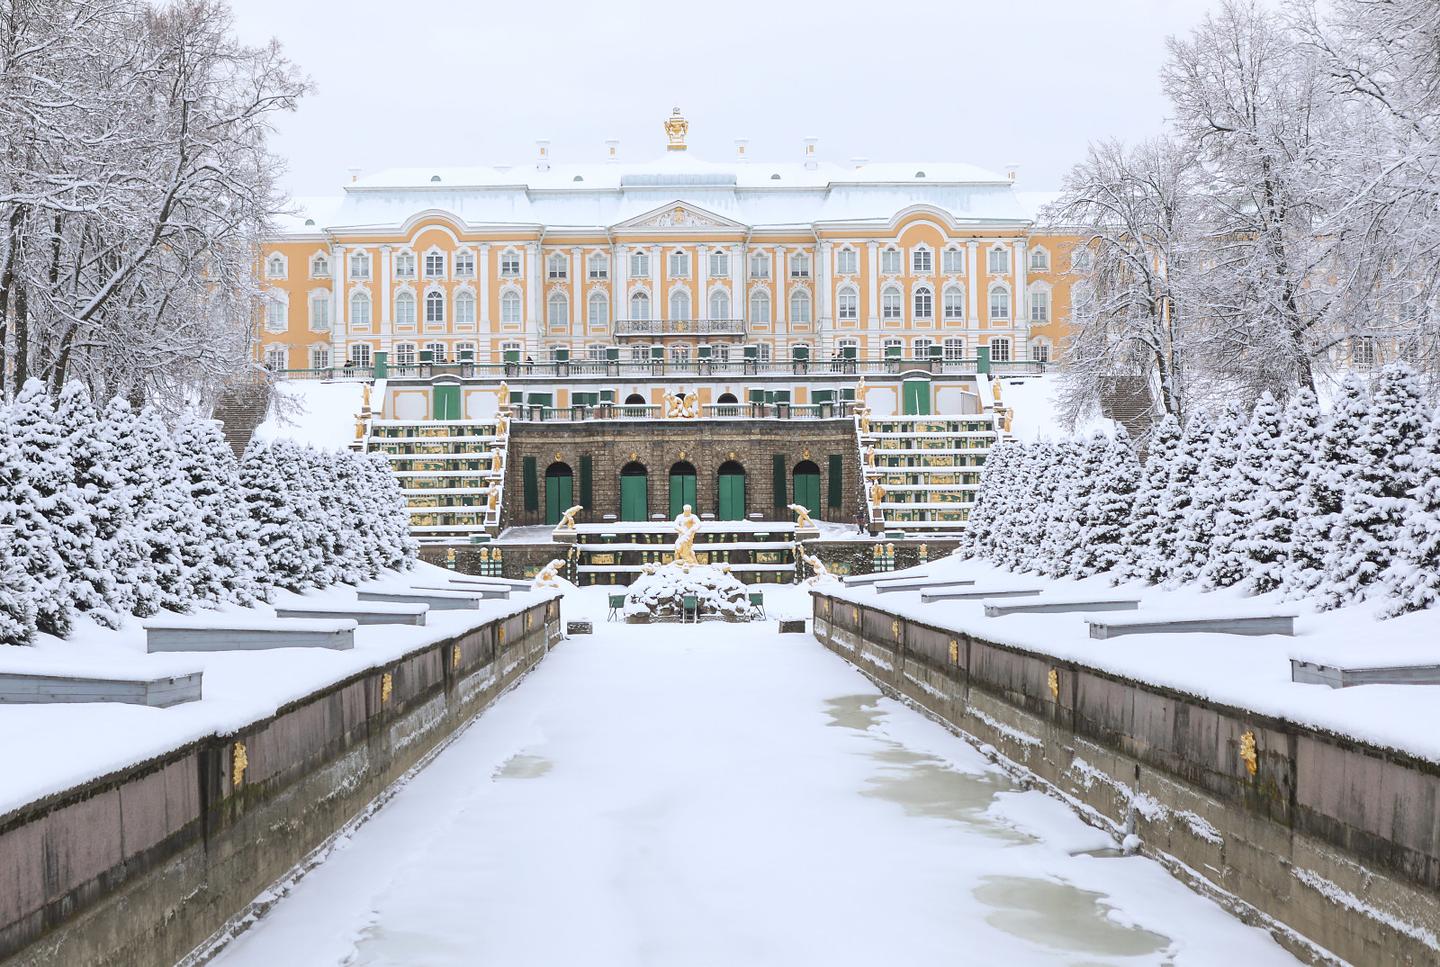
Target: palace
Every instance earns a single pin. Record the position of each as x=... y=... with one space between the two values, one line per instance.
x=708 y=323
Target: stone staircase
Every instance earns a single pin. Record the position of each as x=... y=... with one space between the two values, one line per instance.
x=452 y=473
x=242 y=407
x=924 y=470
x=1127 y=400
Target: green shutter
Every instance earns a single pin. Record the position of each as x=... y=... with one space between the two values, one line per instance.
x=586 y=481
x=778 y=476
x=532 y=484
x=837 y=480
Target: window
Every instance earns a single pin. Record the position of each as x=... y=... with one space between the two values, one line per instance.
x=640 y=305
x=276 y=358
x=434 y=265
x=680 y=304
x=760 y=306
x=1039 y=260
x=1039 y=305
x=890 y=303
x=999 y=302
x=800 y=306
x=465 y=308
x=954 y=349
x=892 y=347
x=847 y=262
x=845 y=344
x=436 y=351
x=999 y=260
x=319 y=357
x=405 y=354
x=434 y=309
x=507 y=348
x=679 y=264
x=404 y=265
x=1362 y=351
x=759 y=265
x=510 y=264
x=320 y=269
x=360 y=310
x=765 y=352
x=722 y=353
x=597 y=312
x=952 y=262
x=719 y=304
x=464 y=265
x=800 y=266
x=638 y=354
x=277 y=313
x=924 y=303
x=847 y=304
x=1000 y=350
x=465 y=352
x=922 y=261
x=510 y=307
x=922 y=348
x=954 y=303
x=1080 y=260
x=1040 y=351
x=639 y=263
x=597 y=266
x=680 y=355
x=719 y=264
x=595 y=352
x=360 y=355
x=320 y=311
x=555 y=352
x=890 y=261
x=557 y=310
x=555 y=266
x=275 y=267
x=359 y=265
x=405 y=309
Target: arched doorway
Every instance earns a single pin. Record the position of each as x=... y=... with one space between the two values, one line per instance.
x=682 y=487
x=727 y=398
x=730 y=486
x=559 y=491
x=634 y=492
x=634 y=399
x=807 y=486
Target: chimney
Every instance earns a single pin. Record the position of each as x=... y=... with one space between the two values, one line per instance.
x=740 y=146
x=354 y=174
x=612 y=149
x=811 y=161
x=1011 y=170
x=542 y=154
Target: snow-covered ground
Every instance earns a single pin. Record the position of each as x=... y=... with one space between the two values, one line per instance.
x=1036 y=409
x=1249 y=672
x=721 y=794
x=316 y=413
x=48 y=748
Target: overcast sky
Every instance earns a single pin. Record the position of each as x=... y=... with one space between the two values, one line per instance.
x=455 y=82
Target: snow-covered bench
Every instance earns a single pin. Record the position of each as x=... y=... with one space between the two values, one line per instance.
x=437 y=600
x=157 y=691
x=505 y=582
x=860 y=580
x=223 y=632
x=491 y=591
x=1048 y=605
x=1195 y=622
x=371 y=613
x=1338 y=676
x=919 y=584
x=977 y=594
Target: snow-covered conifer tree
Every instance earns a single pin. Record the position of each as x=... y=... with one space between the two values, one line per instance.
x=1336 y=454
x=227 y=564
x=166 y=512
x=38 y=468
x=1207 y=514
x=1264 y=550
x=398 y=547
x=95 y=510
x=1165 y=444
x=1081 y=460
x=1163 y=550
x=1245 y=497
x=1414 y=576
x=977 y=537
x=19 y=590
x=1108 y=512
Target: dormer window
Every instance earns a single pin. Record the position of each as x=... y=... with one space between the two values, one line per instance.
x=404 y=265
x=555 y=266
x=800 y=266
x=434 y=265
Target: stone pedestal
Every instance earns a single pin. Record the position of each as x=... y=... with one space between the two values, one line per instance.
x=806 y=533
x=563 y=536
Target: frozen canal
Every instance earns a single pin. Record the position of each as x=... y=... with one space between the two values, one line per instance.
x=723 y=795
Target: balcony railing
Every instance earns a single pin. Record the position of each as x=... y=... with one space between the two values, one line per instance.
x=679 y=327
x=537 y=413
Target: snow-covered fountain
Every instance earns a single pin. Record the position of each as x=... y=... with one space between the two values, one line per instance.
x=660 y=591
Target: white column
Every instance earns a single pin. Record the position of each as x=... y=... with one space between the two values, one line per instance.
x=702 y=274
x=381 y=314
x=780 y=282
x=577 y=292
x=658 y=305
x=340 y=314
x=1022 y=310
x=738 y=303
x=620 y=303
x=972 y=266
x=872 y=258
x=482 y=267
x=534 y=287
x=823 y=285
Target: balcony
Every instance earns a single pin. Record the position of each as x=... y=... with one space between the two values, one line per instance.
x=679 y=327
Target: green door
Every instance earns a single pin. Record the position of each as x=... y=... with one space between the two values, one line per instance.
x=682 y=492
x=559 y=491
x=634 y=497
x=732 y=496
x=807 y=487
x=447 y=403
x=917 y=397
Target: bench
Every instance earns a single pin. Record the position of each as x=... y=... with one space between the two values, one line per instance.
x=491 y=591
x=885 y=587
x=860 y=580
x=974 y=594
x=1235 y=623
x=493 y=582
x=366 y=614
x=160 y=691
x=1058 y=606
x=446 y=600
x=229 y=633
x=1317 y=673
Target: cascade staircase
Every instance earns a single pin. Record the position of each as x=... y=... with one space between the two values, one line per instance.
x=758 y=552
x=927 y=468
x=451 y=471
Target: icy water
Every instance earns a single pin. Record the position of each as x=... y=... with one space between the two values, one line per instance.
x=653 y=795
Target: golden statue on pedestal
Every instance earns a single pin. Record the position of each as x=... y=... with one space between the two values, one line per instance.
x=877 y=492
x=567 y=519
x=802 y=517
x=687 y=525
x=549 y=576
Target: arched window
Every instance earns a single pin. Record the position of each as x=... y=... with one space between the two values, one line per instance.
x=1039 y=260
x=634 y=399
x=277 y=312
x=679 y=264
x=557 y=310
x=598 y=266
x=954 y=301
x=634 y=492
x=760 y=306
x=434 y=308
x=680 y=304
x=999 y=260
x=725 y=398
x=275 y=266
x=847 y=303
x=598 y=310
x=360 y=309
x=359 y=265
x=559 y=491
x=510 y=307
x=320 y=268
x=320 y=320
x=800 y=266
x=1040 y=305
x=555 y=266
x=719 y=263
x=952 y=262
x=719 y=304
x=465 y=307
x=999 y=349
x=890 y=261
x=730 y=486
x=800 y=306
x=924 y=303
x=639 y=263
x=891 y=305
x=640 y=305
x=759 y=265
x=405 y=309
x=999 y=302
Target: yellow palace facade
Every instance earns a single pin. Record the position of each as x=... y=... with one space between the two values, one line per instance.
x=675 y=259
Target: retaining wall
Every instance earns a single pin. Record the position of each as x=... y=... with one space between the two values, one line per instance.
x=140 y=867
x=1330 y=842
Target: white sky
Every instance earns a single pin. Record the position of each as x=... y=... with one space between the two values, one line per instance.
x=456 y=82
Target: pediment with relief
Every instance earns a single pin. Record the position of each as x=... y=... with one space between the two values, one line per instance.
x=679 y=217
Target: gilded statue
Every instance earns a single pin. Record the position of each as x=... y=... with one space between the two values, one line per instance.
x=819 y=571
x=687 y=525
x=877 y=492
x=502 y=424
x=690 y=407
x=567 y=519
x=549 y=576
x=676 y=128
x=492 y=497
x=802 y=517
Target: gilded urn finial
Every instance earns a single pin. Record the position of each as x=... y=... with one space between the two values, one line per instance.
x=675 y=128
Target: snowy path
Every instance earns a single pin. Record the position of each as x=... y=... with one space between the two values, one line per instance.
x=713 y=795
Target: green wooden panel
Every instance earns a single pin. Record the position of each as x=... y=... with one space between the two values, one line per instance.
x=982 y=359
x=382 y=364
x=833 y=488
x=634 y=498
x=540 y=399
x=559 y=494
x=755 y=395
x=531 y=484
x=917 y=397
x=682 y=492
x=587 y=481
x=732 y=496
x=778 y=475
x=807 y=492
x=447 y=402
x=822 y=396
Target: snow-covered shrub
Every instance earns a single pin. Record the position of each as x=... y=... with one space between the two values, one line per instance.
x=1242 y=497
x=1207 y=515
x=662 y=594
x=1414 y=576
x=226 y=563
x=1336 y=454
x=1103 y=543
x=1165 y=448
